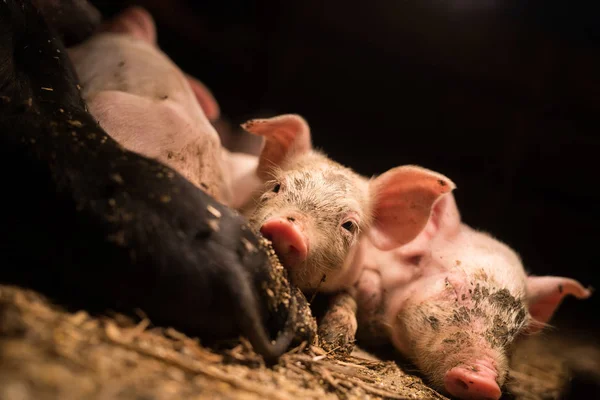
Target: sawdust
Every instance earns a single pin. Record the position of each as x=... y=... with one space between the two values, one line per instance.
x=48 y=353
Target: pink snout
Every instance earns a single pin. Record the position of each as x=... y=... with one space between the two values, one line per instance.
x=477 y=382
x=289 y=242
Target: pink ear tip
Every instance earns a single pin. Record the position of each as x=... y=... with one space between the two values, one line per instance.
x=251 y=124
x=141 y=11
x=446 y=184
x=580 y=292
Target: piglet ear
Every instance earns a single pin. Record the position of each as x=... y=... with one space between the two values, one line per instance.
x=205 y=98
x=403 y=199
x=134 y=21
x=286 y=136
x=545 y=293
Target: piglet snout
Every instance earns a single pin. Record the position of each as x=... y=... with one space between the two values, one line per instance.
x=476 y=382
x=289 y=242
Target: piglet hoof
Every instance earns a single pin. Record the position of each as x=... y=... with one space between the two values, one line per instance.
x=338 y=340
x=337 y=329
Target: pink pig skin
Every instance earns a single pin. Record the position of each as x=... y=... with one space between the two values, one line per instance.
x=146 y=103
x=452 y=301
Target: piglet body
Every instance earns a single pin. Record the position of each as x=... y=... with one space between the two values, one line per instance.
x=453 y=300
x=150 y=106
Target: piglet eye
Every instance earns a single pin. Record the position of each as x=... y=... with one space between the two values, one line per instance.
x=350 y=226
x=276 y=188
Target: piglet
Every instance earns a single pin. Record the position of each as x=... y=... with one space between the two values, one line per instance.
x=148 y=104
x=315 y=211
x=96 y=226
x=453 y=301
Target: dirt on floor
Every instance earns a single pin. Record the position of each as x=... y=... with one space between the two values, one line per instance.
x=48 y=353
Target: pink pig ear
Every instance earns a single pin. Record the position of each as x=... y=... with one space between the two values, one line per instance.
x=135 y=21
x=286 y=136
x=545 y=293
x=205 y=98
x=403 y=199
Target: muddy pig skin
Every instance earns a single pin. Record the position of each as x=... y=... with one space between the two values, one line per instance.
x=453 y=300
x=315 y=210
x=94 y=225
x=147 y=104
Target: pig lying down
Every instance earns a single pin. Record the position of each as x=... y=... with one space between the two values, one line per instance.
x=450 y=298
x=96 y=226
x=453 y=301
x=148 y=105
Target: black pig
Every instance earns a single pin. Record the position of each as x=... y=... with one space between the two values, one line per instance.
x=96 y=226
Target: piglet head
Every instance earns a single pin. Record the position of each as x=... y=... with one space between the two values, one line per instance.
x=459 y=330
x=311 y=208
x=458 y=321
x=314 y=210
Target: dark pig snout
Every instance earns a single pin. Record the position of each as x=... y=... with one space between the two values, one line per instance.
x=289 y=242
x=476 y=382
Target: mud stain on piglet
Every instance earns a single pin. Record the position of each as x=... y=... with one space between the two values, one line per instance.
x=434 y=322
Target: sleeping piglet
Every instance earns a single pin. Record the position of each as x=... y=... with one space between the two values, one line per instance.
x=315 y=210
x=148 y=104
x=453 y=300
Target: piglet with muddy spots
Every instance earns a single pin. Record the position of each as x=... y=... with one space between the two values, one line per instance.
x=315 y=211
x=453 y=301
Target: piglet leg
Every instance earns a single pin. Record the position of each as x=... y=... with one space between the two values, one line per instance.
x=337 y=329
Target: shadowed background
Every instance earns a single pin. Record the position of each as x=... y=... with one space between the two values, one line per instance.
x=501 y=97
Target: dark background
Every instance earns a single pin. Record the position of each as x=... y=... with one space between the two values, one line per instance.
x=502 y=97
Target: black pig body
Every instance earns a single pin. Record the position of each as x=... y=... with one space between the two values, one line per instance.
x=96 y=226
